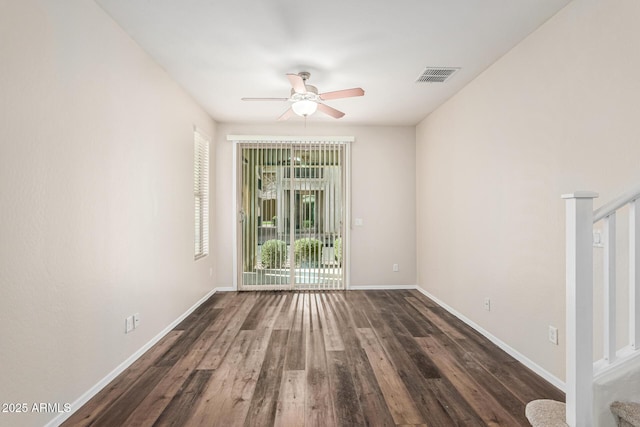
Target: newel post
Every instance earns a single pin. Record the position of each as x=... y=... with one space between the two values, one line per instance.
x=579 y=300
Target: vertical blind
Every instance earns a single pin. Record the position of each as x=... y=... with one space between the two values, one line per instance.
x=201 y=193
x=292 y=197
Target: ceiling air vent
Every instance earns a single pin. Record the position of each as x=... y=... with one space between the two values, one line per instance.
x=436 y=74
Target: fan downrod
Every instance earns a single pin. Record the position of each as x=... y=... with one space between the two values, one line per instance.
x=305 y=75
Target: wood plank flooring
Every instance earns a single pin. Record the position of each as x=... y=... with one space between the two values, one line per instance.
x=356 y=358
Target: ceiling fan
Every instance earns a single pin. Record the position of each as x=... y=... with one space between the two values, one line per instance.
x=305 y=99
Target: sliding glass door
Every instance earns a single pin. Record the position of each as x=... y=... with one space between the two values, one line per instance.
x=291 y=215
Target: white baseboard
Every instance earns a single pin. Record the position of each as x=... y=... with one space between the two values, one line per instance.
x=124 y=365
x=504 y=346
x=349 y=288
x=380 y=287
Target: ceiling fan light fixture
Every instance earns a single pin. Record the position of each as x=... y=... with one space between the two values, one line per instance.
x=304 y=107
x=305 y=99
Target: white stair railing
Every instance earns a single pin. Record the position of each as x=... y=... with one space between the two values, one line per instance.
x=580 y=367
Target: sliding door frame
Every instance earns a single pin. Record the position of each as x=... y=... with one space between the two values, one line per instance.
x=241 y=140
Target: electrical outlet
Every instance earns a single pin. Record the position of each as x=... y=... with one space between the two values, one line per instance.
x=136 y=320
x=128 y=324
x=487 y=304
x=396 y=267
x=553 y=335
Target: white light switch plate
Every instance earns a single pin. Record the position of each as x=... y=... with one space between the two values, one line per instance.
x=128 y=324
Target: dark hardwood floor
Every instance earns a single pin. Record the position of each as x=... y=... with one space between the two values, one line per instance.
x=378 y=358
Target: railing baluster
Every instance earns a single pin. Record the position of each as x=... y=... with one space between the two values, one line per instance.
x=634 y=274
x=609 y=267
x=579 y=350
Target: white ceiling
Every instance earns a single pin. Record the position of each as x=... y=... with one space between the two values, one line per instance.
x=222 y=50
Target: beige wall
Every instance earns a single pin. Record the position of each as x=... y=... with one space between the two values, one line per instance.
x=96 y=201
x=383 y=189
x=556 y=114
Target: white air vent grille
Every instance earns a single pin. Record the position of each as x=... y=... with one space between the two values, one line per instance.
x=436 y=74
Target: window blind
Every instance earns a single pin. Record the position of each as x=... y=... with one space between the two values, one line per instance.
x=292 y=205
x=201 y=193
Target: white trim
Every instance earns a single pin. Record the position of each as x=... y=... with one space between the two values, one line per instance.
x=234 y=218
x=346 y=227
x=225 y=289
x=381 y=287
x=602 y=369
x=288 y=138
x=580 y=195
x=504 y=346
x=79 y=402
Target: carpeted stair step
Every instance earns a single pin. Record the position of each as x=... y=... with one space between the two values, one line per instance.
x=627 y=413
x=546 y=413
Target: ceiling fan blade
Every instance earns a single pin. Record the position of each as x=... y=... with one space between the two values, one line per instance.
x=330 y=111
x=344 y=93
x=264 y=99
x=285 y=115
x=297 y=83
